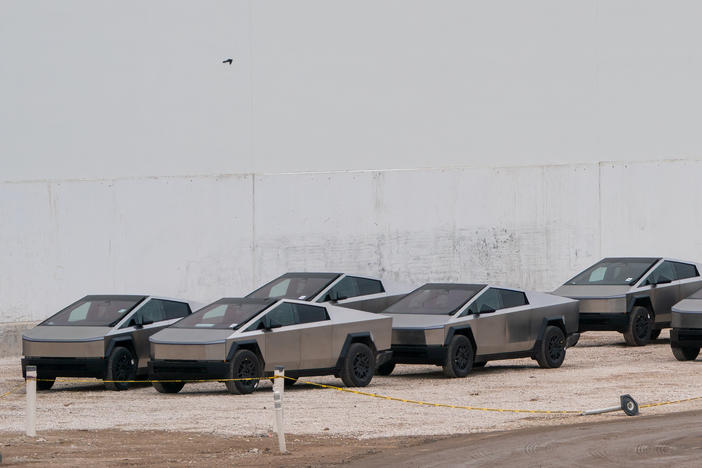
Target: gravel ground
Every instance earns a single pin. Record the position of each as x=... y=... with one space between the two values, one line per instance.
x=594 y=374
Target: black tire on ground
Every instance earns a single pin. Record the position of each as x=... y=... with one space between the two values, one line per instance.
x=385 y=368
x=685 y=353
x=121 y=365
x=655 y=333
x=638 y=330
x=479 y=364
x=289 y=381
x=45 y=384
x=168 y=387
x=551 y=351
x=245 y=364
x=358 y=366
x=459 y=357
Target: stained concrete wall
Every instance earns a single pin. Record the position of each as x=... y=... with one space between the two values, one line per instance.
x=206 y=237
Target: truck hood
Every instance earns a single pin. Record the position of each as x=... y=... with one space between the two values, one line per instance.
x=592 y=291
x=418 y=320
x=687 y=314
x=191 y=336
x=63 y=333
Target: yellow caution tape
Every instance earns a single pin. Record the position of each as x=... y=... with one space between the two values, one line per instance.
x=437 y=405
x=670 y=402
x=77 y=380
x=12 y=390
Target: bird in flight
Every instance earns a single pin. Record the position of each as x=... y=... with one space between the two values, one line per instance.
x=229 y=61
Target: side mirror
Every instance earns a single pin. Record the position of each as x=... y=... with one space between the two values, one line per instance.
x=664 y=280
x=268 y=325
x=335 y=296
x=146 y=322
x=486 y=309
x=138 y=321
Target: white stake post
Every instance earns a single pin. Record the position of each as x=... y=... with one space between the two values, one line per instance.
x=278 y=389
x=31 y=417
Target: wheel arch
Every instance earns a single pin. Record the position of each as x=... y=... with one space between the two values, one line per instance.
x=120 y=341
x=358 y=337
x=464 y=330
x=251 y=345
x=642 y=301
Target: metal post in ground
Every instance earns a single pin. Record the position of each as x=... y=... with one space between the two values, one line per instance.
x=278 y=389
x=31 y=417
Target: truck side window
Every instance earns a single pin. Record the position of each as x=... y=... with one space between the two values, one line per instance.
x=175 y=309
x=311 y=313
x=513 y=298
x=685 y=270
x=664 y=272
x=489 y=300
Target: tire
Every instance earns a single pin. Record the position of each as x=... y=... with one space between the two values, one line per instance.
x=45 y=384
x=121 y=365
x=385 y=368
x=685 y=353
x=551 y=350
x=459 y=357
x=168 y=387
x=358 y=366
x=638 y=330
x=245 y=364
x=655 y=333
x=288 y=382
x=479 y=364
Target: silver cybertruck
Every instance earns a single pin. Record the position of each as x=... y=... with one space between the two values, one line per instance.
x=461 y=326
x=631 y=295
x=247 y=338
x=100 y=336
x=686 y=323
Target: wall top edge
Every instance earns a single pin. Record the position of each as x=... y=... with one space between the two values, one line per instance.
x=243 y=175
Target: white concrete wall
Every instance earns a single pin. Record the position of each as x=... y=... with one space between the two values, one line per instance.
x=415 y=140
x=203 y=238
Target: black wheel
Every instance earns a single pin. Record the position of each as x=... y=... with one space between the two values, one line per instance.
x=358 y=366
x=289 y=381
x=479 y=364
x=121 y=366
x=551 y=351
x=459 y=357
x=244 y=365
x=386 y=368
x=655 y=333
x=168 y=387
x=638 y=330
x=45 y=384
x=685 y=353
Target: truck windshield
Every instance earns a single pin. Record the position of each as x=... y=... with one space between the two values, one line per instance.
x=95 y=311
x=302 y=286
x=225 y=313
x=435 y=299
x=614 y=271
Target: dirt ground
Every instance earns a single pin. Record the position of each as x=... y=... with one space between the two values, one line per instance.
x=595 y=373
x=670 y=439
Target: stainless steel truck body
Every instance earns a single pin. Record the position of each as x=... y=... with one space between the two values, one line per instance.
x=237 y=338
x=686 y=323
x=631 y=295
x=458 y=326
x=101 y=336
